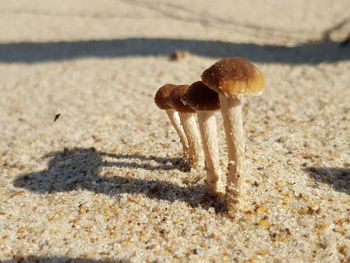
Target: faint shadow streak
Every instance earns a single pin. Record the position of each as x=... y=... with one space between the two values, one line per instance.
x=306 y=53
x=79 y=168
x=338 y=178
x=38 y=259
x=143 y=157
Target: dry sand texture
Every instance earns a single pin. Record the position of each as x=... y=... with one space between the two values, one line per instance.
x=99 y=63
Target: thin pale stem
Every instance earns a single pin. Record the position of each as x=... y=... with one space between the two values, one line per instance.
x=188 y=121
x=175 y=121
x=232 y=117
x=208 y=130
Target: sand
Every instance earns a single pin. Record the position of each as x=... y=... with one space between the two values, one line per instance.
x=106 y=180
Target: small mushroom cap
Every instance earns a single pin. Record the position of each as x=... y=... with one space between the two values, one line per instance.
x=234 y=77
x=201 y=98
x=162 y=97
x=176 y=99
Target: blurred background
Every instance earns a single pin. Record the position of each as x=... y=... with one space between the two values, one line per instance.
x=48 y=30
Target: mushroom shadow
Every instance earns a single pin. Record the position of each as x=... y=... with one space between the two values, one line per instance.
x=338 y=178
x=305 y=53
x=79 y=168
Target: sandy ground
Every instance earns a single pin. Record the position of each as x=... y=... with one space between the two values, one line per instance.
x=105 y=182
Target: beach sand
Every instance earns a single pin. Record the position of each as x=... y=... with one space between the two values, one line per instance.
x=106 y=180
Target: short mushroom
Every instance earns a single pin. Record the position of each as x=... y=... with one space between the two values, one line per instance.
x=234 y=78
x=162 y=100
x=205 y=101
x=188 y=122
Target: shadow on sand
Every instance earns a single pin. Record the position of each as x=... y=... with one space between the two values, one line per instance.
x=36 y=259
x=79 y=168
x=338 y=178
x=307 y=53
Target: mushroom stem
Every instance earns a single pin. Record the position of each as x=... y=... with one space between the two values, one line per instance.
x=232 y=117
x=175 y=121
x=188 y=121
x=207 y=127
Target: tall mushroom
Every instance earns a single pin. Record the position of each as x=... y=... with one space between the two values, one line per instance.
x=205 y=101
x=234 y=78
x=162 y=100
x=188 y=122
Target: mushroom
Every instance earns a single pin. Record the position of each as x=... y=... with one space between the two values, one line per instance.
x=188 y=122
x=162 y=100
x=205 y=101
x=234 y=78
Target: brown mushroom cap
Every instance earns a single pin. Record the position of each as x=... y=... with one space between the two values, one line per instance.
x=201 y=98
x=176 y=99
x=233 y=77
x=162 y=97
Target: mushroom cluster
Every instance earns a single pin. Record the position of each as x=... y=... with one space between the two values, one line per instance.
x=223 y=87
